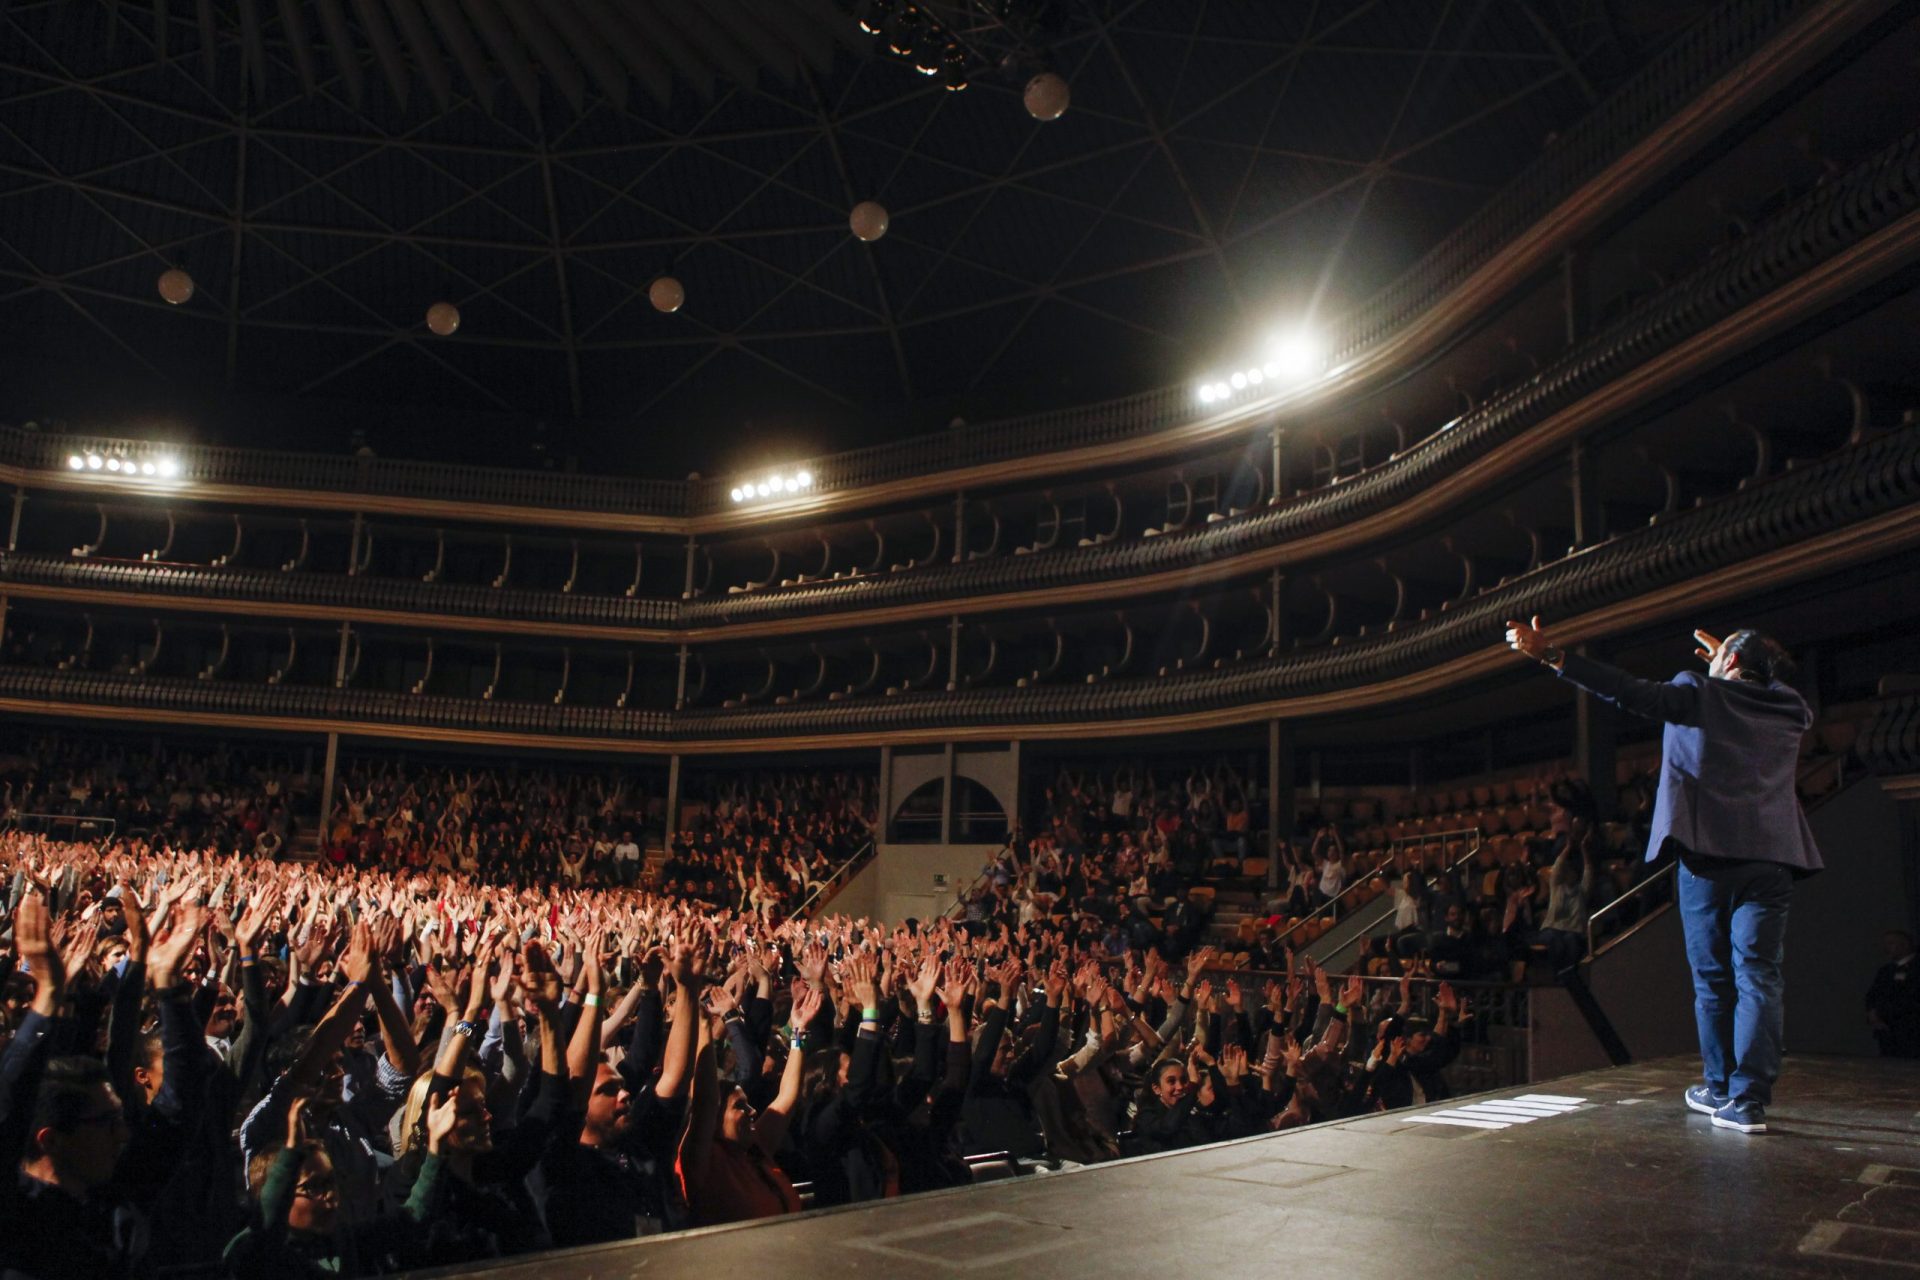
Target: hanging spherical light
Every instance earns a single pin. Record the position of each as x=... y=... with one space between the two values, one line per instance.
x=443 y=318
x=175 y=285
x=1047 y=96
x=666 y=294
x=869 y=220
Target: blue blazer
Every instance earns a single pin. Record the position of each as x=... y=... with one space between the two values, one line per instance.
x=1727 y=762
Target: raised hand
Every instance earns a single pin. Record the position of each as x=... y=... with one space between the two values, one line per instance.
x=1056 y=982
x=502 y=987
x=359 y=963
x=253 y=921
x=138 y=939
x=1198 y=962
x=806 y=1007
x=860 y=973
x=1529 y=639
x=539 y=979
x=170 y=950
x=957 y=981
x=1236 y=998
x=925 y=983
x=1233 y=1065
x=442 y=1116
x=1353 y=992
x=33 y=943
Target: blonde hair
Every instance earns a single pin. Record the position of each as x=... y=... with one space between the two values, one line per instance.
x=412 y=1132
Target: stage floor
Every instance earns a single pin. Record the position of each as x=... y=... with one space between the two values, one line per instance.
x=1605 y=1173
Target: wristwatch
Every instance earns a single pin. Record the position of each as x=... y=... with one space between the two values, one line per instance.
x=1555 y=657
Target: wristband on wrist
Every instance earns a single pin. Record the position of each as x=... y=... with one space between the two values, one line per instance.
x=869 y=1014
x=467 y=1029
x=592 y=1001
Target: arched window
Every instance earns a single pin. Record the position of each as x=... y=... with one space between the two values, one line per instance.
x=978 y=817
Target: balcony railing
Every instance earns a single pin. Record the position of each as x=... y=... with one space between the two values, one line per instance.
x=1864 y=483
x=1821 y=225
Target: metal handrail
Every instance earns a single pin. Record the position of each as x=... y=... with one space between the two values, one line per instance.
x=1664 y=873
x=834 y=876
x=14 y=820
x=1329 y=906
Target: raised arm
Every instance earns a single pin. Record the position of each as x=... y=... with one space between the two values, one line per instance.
x=1677 y=701
x=771 y=1125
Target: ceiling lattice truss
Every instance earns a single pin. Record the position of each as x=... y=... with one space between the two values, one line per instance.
x=327 y=169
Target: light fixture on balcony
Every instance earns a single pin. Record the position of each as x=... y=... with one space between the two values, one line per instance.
x=773 y=486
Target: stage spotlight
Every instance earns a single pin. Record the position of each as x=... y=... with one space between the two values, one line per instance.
x=1295 y=356
x=76 y=463
x=1239 y=381
x=737 y=495
x=147 y=469
x=169 y=468
x=1255 y=377
x=1206 y=393
x=872 y=14
x=113 y=464
x=762 y=489
x=953 y=68
x=443 y=318
x=95 y=462
x=806 y=479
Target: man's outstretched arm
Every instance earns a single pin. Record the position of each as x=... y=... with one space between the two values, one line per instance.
x=1677 y=701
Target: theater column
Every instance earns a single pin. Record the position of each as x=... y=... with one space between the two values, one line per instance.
x=946 y=796
x=326 y=783
x=13 y=529
x=673 y=800
x=1595 y=744
x=1280 y=806
x=1595 y=731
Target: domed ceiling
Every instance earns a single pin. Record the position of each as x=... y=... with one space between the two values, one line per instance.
x=326 y=171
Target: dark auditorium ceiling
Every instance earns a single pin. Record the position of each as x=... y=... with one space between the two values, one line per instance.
x=325 y=170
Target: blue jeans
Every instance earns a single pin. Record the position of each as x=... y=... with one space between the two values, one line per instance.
x=1735 y=916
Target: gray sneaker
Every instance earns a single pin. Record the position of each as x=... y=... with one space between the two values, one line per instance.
x=1741 y=1117
x=1704 y=1100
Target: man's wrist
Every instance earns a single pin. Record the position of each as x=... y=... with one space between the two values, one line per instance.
x=1554 y=656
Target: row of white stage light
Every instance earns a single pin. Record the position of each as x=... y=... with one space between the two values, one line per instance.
x=1503 y=1113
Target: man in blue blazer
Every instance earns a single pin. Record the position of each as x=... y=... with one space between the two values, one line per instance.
x=1727 y=809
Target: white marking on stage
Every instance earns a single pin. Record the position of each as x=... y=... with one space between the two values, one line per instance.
x=1502 y=1113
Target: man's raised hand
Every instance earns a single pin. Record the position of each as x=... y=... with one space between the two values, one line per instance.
x=1528 y=638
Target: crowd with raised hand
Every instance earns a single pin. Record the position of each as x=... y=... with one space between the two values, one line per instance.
x=578 y=826
x=171 y=794
x=275 y=1068
x=766 y=842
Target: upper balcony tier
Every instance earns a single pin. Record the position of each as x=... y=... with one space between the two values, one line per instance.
x=1704 y=85
x=1838 y=242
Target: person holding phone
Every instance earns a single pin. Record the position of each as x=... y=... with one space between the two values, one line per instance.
x=1728 y=811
